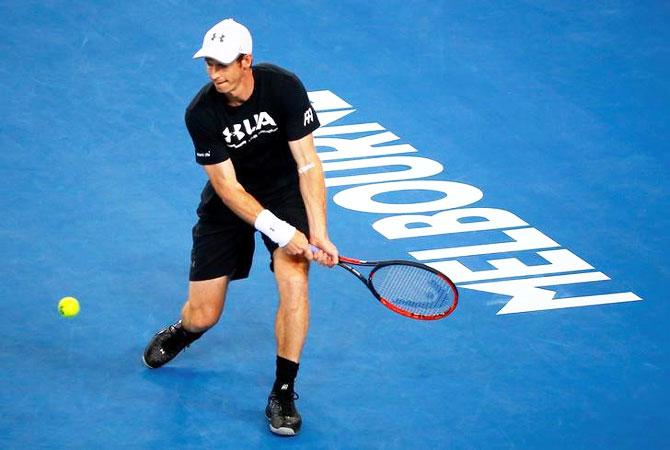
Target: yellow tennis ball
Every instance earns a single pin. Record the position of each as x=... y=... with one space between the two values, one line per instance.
x=68 y=307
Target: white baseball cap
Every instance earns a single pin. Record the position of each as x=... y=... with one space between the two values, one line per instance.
x=225 y=41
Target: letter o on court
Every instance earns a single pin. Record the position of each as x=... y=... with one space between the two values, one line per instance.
x=360 y=198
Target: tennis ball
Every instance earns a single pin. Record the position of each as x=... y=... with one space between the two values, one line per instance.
x=68 y=307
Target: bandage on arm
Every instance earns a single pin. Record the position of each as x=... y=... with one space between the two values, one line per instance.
x=306 y=168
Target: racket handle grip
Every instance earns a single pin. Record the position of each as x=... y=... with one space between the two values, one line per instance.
x=313 y=248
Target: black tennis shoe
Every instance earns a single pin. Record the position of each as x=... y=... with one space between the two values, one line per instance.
x=284 y=418
x=166 y=344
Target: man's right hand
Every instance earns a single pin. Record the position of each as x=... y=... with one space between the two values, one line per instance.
x=299 y=246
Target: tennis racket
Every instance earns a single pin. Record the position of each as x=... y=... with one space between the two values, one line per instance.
x=408 y=288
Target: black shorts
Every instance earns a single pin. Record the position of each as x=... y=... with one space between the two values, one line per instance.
x=223 y=244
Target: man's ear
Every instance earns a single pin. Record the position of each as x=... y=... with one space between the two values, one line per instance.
x=247 y=60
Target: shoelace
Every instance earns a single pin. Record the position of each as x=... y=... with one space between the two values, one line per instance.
x=175 y=338
x=294 y=396
x=286 y=404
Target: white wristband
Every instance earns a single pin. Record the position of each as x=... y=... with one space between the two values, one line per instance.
x=277 y=230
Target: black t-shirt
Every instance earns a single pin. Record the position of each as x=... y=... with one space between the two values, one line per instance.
x=254 y=135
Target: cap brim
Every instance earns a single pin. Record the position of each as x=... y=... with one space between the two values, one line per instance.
x=211 y=53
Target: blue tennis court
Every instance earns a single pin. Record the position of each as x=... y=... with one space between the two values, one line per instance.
x=519 y=147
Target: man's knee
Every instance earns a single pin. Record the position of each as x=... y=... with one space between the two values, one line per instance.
x=292 y=275
x=201 y=317
x=293 y=292
x=205 y=304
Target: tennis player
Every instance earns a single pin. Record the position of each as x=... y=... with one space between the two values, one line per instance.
x=252 y=127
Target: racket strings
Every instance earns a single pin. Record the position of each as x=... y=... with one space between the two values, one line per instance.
x=413 y=289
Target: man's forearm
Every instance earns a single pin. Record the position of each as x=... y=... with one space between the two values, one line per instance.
x=245 y=206
x=313 y=191
x=238 y=200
